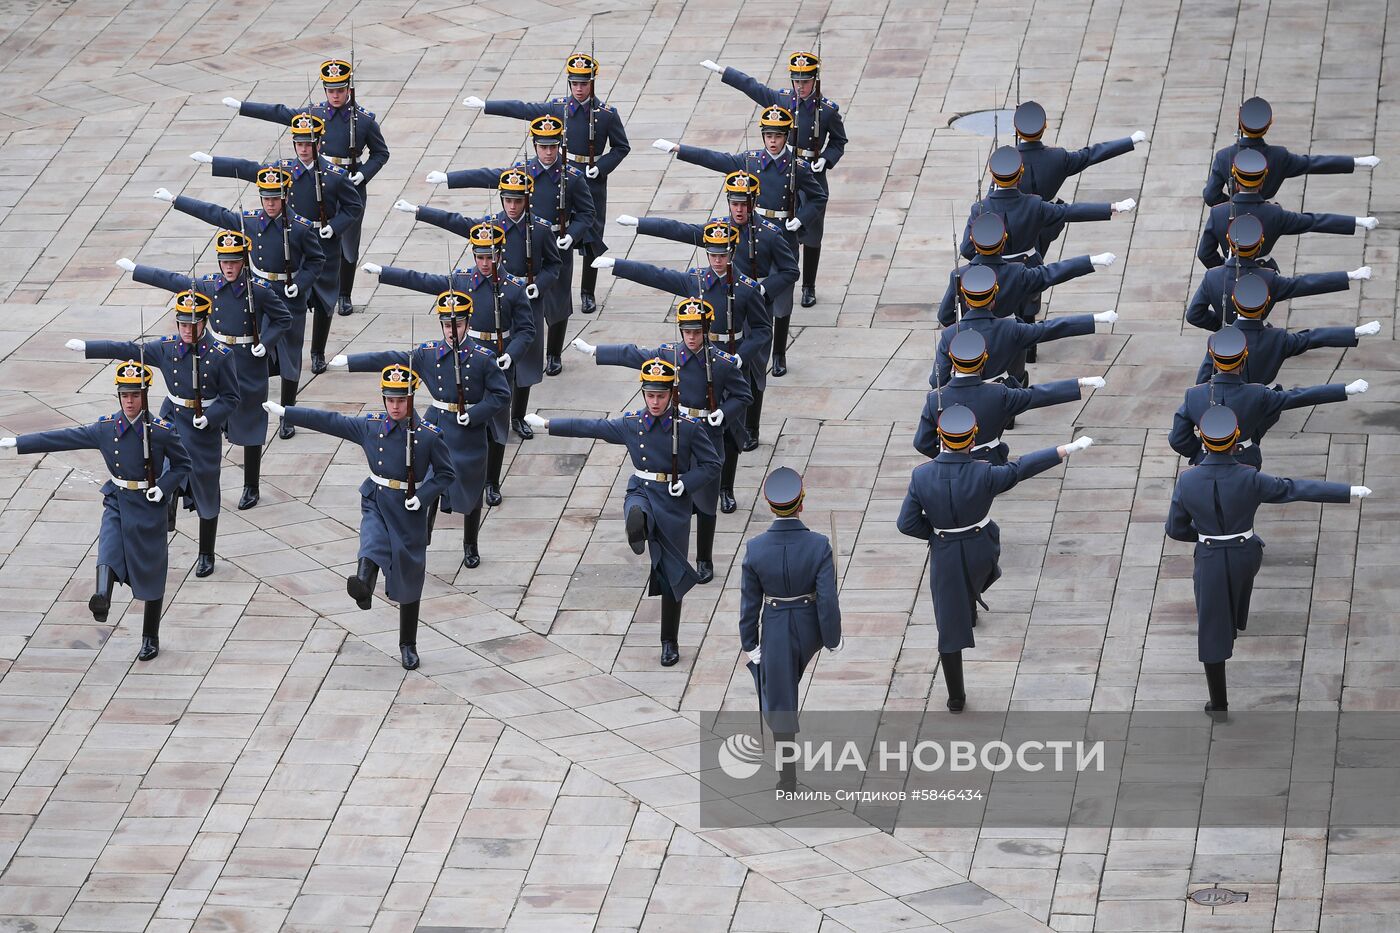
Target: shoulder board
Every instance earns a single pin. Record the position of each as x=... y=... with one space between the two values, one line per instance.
x=261 y=282
x=513 y=279
x=211 y=277
x=485 y=352
x=685 y=417
x=426 y=345
x=541 y=221
x=785 y=92
x=171 y=338
x=717 y=220
x=609 y=108
x=575 y=172
x=359 y=109
x=720 y=354
x=105 y=418
x=559 y=100
x=431 y=427
x=162 y=423
x=830 y=103
x=251 y=213
x=334 y=169
x=626 y=414
x=520 y=163
x=298 y=219
x=768 y=224
x=375 y=416
x=666 y=346
x=751 y=283
x=221 y=348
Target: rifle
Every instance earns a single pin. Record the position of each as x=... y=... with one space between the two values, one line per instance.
x=1226 y=313
x=704 y=349
x=562 y=214
x=456 y=341
x=752 y=203
x=816 y=104
x=316 y=169
x=792 y=173
x=528 y=219
x=729 y=291
x=286 y=225
x=146 y=415
x=411 y=491
x=197 y=394
x=354 y=152
x=495 y=278
x=248 y=268
x=592 y=99
x=676 y=412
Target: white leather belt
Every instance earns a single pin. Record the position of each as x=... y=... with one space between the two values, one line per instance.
x=270 y=276
x=1021 y=255
x=488 y=334
x=1000 y=377
x=953 y=531
x=388 y=483
x=1241 y=536
x=187 y=402
x=654 y=477
x=232 y=341
x=775 y=215
x=802 y=600
x=696 y=412
x=446 y=406
x=576 y=157
x=988 y=445
x=806 y=153
x=555 y=228
x=129 y=483
x=1243 y=444
x=336 y=160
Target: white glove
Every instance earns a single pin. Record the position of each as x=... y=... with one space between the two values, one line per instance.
x=1102 y=260
x=402 y=205
x=291 y=289
x=1357 y=492
x=258 y=350
x=1122 y=207
x=535 y=421
x=818 y=166
x=155 y=494
x=565 y=241
x=78 y=346
x=1357 y=387
x=603 y=262
x=839 y=645
x=412 y=503
x=792 y=224
x=715 y=418
x=583 y=346
x=373 y=268
x=7 y=442
x=200 y=422
x=339 y=361
x=626 y=220
x=233 y=103
x=357 y=178
x=762 y=291
x=464 y=418
x=591 y=171
x=1367 y=223
x=1138 y=136
x=503 y=362
x=204 y=157
x=1367 y=330
x=1106 y=317
x=474 y=103
x=677 y=488
x=532 y=291
x=1092 y=382
x=1083 y=443
x=755 y=656
x=716 y=67
x=126 y=264
x=738 y=361
x=327 y=231
x=163 y=194
x=1359 y=275
x=437 y=178
x=1366 y=161
x=665 y=145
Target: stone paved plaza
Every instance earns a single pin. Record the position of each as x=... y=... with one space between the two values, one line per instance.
x=275 y=768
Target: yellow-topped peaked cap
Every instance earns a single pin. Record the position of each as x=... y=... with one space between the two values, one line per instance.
x=658 y=374
x=398 y=380
x=307 y=128
x=132 y=376
x=694 y=312
x=335 y=73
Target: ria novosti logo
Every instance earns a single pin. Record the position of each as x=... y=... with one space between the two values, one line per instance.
x=740 y=756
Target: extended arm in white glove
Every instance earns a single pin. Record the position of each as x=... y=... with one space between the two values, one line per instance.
x=603 y=262
x=474 y=103
x=1367 y=223
x=1367 y=161
x=716 y=67
x=583 y=346
x=272 y=408
x=1106 y=317
x=402 y=205
x=1102 y=260
x=1357 y=387
x=126 y=264
x=1360 y=274
x=1083 y=443
x=1357 y=492
x=535 y=421
x=1092 y=382
x=78 y=346
x=665 y=145
x=339 y=361
x=626 y=220
x=1138 y=136
x=7 y=442
x=437 y=178
x=1369 y=329
x=204 y=157
x=233 y=103
x=373 y=268
x=163 y=194
x=1122 y=207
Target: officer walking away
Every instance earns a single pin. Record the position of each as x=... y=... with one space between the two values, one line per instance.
x=788 y=607
x=132 y=546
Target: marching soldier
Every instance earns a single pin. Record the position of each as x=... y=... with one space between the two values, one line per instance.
x=569 y=214
x=995 y=404
x=1213 y=506
x=1244 y=236
x=408 y=463
x=203 y=392
x=788 y=606
x=947 y=505
x=1007 y=338
x=1019 y=284
x=712 y=391
x=1250 y=171
x=743 y=324
x=531 y=254
x=350 y=130
x=501 y=321
x=819 y=137
x=132 y=546
x=1256 y=406
x=247 y=315
x=1256 y=116
x=468 y=389
x=594 y=138
x=761 y=253
x=659 y=503
x=788 y=192
x=322 y=192
x=286 y=250
x=1049 y=167
x=1269 y=346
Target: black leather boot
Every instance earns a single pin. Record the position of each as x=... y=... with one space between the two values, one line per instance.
x=726 y=475
x=811 y=258
x=519 y=407
x=471 y=523
x=554 y=348
x=347 y=283
x=670 y=630
x=289 y=398
x=361 y=585
x=1215 y=684
x=704 y=546
x=787 y=774
x=752 y=418
x=208 y=533
x=320 y=333
x=408 y=635
x=637 y=530
x=252 y=474
x=171 y=510
x=433 y=508
x=495 y=456
x=588 y=282
x=780 y=339
x=150 y=631
x=101 y=600
x=953 y=677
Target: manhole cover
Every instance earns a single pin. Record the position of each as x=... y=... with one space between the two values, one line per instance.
x=1218 y=897
x=987 y=123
